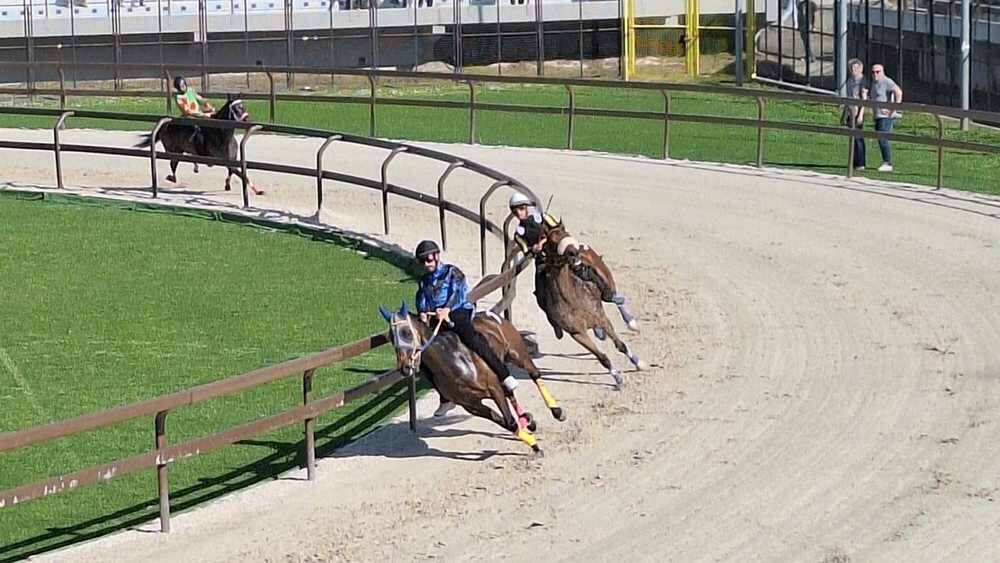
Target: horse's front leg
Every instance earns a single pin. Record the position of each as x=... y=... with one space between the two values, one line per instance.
x=623 y=348
x=172 y=177
x=587 y=343
x=246 y=181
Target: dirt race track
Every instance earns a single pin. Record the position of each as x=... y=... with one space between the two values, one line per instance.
x=826 y=380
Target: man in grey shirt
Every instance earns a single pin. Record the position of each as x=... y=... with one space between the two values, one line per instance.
x=854 y=116
x=884 y=89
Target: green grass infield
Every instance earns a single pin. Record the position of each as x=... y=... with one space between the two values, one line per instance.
x=109 y=303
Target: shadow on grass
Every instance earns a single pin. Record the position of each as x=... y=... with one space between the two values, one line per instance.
x=366 y=415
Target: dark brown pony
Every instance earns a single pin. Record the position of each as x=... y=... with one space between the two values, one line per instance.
x=217 y=142
x=574 y=305
x=461 y=376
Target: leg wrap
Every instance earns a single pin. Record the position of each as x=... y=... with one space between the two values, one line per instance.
x=550 y=401
x=527 y=437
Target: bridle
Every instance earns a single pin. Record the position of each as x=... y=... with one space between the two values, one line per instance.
x=231 y=111
x=413 y=352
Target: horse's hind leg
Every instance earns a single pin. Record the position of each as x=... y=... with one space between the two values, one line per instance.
x=500 y=398
x=587 y=343
x=619 y=301
x=623 y=348
x=482 y=411
x=518 y=355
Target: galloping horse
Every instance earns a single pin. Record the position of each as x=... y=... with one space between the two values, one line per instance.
x=459 y=375
x=214 y=141
x=574 y=305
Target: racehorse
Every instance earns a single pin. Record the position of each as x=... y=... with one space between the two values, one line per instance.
x=204 y=140
x=574 y=305
x=462 y=377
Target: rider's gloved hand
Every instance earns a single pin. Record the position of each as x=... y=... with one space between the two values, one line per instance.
x=442 y=315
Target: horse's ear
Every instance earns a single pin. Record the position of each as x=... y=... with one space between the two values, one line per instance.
x=385 y=313
x=404 y=309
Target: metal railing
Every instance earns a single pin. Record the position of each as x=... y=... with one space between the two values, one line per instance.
x=571 y=110
x=160 y=407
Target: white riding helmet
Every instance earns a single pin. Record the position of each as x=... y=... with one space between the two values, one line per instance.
x=519 y=199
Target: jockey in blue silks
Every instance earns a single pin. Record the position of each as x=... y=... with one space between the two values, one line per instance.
x=443 y=293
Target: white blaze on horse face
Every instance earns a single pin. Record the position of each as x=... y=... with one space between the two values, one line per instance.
x=403 y=339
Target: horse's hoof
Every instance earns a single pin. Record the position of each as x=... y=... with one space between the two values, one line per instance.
x=599 y=333
x=619 y=382
x=172 y=179
x=559 y=414
x=641 y=365
x=529 y=422
x=228 y=187
x=538 y=451
x=633 y=326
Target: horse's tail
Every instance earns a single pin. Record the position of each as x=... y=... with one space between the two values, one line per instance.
x=147 y=141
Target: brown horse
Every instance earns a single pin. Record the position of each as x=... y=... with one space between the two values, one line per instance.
x=574 y=305
x=459 y=375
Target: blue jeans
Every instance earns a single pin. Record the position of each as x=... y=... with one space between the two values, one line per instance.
x=884 y=124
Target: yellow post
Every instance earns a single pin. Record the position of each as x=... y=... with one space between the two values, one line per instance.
x=628 y=39
x=750 y=62
x=692 y=43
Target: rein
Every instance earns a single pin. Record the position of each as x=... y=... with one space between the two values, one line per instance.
x=431 y=339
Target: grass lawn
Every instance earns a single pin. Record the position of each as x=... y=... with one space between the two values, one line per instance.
x=716 y=143
x=105 y=306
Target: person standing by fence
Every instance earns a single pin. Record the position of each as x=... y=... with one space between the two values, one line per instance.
x=854 y=116
x=884 y=89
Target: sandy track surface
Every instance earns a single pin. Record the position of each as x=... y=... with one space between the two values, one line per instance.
x=826 y=382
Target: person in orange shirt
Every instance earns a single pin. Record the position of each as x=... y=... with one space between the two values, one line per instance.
x=192 y=104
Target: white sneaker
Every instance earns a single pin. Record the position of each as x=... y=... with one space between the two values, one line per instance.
x=859 y=168
x=886 y=167
x=443 y=408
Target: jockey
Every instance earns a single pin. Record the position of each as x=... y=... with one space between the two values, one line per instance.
x=190 y=103
x=443 y=293
x=530 y=240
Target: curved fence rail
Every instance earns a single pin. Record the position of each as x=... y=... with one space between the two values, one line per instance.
x=160 y=407
x=570 y=110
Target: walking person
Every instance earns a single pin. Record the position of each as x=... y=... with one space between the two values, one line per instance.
x=854 y=116
x=884 y=89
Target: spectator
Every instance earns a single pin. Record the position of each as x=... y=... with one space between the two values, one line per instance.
x=854 y=116
x=884 y=89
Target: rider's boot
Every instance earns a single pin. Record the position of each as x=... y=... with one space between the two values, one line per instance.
x=587 y=273
x=444 y=407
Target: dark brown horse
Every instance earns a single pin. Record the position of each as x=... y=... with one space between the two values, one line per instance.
x=459 y=375
x=574 y=305
x=217 y=142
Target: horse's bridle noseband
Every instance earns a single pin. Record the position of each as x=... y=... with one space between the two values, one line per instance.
x=232 y=116
x=413 y=352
